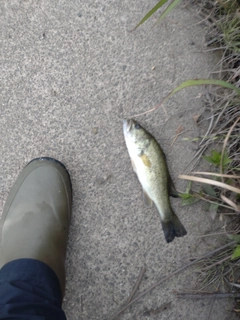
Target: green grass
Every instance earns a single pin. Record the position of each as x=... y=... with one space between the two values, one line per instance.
x=167 y=10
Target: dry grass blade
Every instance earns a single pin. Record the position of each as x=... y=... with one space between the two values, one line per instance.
x=217 y=263
x=193 y=83
x=230 y=202
x=225 y=144
x=211 y=182
x=234 y=284
x=232 y=176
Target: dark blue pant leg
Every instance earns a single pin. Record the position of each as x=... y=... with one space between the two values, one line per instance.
x=29 y=290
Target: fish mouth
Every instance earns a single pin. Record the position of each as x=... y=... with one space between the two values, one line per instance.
x=127 y=124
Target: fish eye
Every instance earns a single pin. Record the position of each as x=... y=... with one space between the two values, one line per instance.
x=137 y=126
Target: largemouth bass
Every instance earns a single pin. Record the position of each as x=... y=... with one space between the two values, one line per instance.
x=149 y=163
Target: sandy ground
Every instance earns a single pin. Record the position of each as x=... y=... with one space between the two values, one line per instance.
x=70 y=70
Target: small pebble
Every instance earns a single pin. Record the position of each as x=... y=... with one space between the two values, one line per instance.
x=95 y=130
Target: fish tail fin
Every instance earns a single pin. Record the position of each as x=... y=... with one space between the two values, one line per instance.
x=173 y=228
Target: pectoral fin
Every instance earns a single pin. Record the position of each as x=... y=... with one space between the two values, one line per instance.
x=147 y=201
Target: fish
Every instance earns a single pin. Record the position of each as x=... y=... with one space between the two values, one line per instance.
x=149 y=163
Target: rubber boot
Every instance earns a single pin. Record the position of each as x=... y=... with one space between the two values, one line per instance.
x=36 y=217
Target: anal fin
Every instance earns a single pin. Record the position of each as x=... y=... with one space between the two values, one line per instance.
x=133 y=166
x=146 y=199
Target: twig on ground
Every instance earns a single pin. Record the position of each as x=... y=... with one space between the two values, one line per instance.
x=211 y=234
x=139 y=279
x=209 y=254
x=211 y=295
x=176 y=137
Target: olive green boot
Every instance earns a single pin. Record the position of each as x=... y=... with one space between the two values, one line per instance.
x=36 y=218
